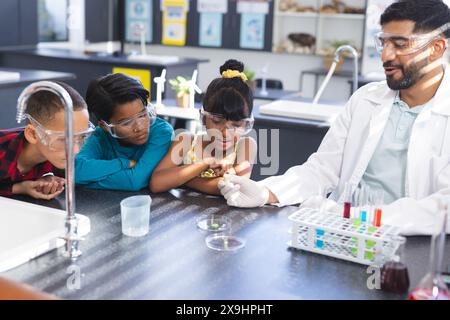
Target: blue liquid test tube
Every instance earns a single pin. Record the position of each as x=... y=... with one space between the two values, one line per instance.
x=363 y=215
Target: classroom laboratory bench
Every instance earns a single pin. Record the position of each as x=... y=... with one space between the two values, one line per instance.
x=91 y=65
x=11 y=89
x=173 y=262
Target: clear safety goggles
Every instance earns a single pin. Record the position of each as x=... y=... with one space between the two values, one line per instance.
x=405 y=45
x=56 y=140
x=241 y=127
x=128 y=127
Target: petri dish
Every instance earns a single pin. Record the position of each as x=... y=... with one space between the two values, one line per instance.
x=214 y=223
x=224 y=242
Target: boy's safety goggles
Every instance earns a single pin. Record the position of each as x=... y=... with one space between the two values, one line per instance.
x=241 y=127
x=128 y=127
x=56 y=140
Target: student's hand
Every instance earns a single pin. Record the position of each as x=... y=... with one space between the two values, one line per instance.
x=223 y=166
x=132 y=164
x=33 y=189
x=243 y=192
x=55 y=184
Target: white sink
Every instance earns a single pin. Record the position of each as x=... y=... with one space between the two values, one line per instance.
x=28 y=230
x=303 y=110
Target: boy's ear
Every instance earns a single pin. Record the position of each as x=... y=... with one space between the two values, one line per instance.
x=30 y=134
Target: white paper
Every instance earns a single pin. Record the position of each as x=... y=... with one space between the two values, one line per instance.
x=186 y=4
x=212 y=6
x=253 y=7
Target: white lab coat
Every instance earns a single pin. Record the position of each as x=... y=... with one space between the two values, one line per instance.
x=350 y=143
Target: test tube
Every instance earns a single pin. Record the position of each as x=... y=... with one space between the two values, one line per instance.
x=322 y=192
x=364 y=203
x=378 y=201
x=347 y=200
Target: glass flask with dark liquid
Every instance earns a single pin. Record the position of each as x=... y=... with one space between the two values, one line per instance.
x=394 y=273
x=432 y=286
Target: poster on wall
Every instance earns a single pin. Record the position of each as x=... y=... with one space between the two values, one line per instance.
x=174 y=22
x=217 y=6
x=139 y=20
x=253 y=16
x=211 y=17
x=252 y=30
x=210 y=29
x=371 y=66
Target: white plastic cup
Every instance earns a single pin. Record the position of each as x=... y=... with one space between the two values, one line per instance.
x=135 y=213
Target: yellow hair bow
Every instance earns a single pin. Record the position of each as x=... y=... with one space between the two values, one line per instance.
x=234 y=74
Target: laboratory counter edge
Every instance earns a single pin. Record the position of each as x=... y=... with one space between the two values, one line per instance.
x=173 y=262
x=10 y=89
x=89 y=66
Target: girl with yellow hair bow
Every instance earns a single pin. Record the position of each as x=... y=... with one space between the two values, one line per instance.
x=199 y=161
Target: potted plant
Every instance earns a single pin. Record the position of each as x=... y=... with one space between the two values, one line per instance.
x=250 y=78
x=328 y=53
x=181 y=86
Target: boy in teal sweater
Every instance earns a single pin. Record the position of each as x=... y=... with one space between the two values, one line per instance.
x=130 y=140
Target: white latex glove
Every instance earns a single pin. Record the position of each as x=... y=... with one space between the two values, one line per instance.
x=319 y=202
x=243 y=192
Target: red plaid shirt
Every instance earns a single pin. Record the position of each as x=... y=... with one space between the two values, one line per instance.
x=11 y=143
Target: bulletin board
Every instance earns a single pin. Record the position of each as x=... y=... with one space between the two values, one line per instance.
x=223 y=24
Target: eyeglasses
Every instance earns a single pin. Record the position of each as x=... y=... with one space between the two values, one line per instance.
x=56 y=140
x=126 y=128
x=405 y=45
x=241 y=127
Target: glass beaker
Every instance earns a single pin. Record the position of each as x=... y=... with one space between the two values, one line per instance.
x=432 y=286
x=394 y=273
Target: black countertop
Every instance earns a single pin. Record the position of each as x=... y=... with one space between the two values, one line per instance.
x=29 y=76
x=173 y=261
x=94 y=57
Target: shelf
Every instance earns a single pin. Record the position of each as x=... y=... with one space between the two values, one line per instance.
x=344 y=16
x=296 y=14
x=348 y=16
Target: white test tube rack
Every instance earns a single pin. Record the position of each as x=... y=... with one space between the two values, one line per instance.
x=335 y=236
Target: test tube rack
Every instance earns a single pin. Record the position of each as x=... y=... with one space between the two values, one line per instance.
x=348 y=239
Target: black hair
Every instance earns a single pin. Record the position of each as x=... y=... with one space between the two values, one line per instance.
x=43 y=105
x=230 y=97
x=104 y=94
x=428 y=15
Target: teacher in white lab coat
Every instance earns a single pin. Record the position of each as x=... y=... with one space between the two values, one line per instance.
x=392 y=135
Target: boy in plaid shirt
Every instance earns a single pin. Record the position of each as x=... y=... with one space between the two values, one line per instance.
x=28 y=156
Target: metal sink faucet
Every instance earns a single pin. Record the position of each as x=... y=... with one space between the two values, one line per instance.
x=337 y=54
x=71 y=221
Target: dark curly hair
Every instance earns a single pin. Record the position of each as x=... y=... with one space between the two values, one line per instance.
x=428 y=15
x=104 y=94
x=230 y=97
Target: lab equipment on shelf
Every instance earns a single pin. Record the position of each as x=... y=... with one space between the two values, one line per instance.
x=331 y=234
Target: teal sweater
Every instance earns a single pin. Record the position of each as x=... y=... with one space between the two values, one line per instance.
x=103 y=163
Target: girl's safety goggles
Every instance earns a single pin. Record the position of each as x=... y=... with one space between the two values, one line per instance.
x=241 y=127
x=127 y=128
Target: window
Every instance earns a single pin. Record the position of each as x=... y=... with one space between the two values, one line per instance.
x=52 y=19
